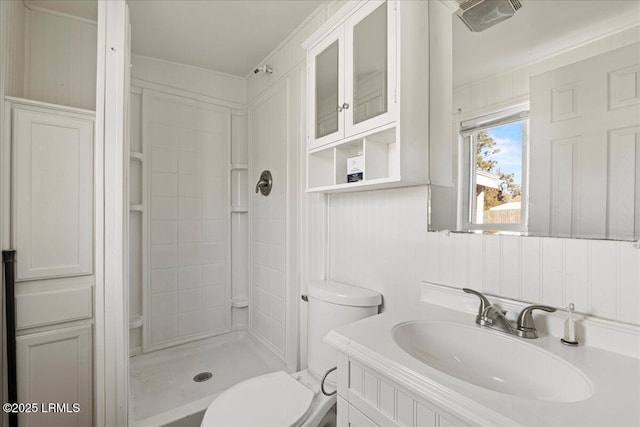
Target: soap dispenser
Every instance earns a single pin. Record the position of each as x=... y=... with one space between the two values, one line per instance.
x=569 y=328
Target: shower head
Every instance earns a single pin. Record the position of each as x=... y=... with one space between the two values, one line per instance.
x=265 y=69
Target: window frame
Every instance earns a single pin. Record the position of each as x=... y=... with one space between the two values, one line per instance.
x=467 y=129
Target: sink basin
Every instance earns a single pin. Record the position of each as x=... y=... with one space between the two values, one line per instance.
x=493 y=360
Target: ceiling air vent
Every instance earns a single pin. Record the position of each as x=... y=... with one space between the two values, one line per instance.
x=479 y=15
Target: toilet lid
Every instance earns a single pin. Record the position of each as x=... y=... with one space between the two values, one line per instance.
x=272 y=400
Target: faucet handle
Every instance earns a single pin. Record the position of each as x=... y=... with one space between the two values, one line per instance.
x=484 y=303
x=526 y=326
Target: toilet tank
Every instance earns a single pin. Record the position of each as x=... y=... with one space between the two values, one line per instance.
x=332 y=304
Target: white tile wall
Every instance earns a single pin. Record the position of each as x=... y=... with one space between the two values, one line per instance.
x=379 y=240
x=189 y=147
x=175 y=151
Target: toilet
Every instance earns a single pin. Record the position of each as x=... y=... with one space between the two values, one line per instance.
x=280 y=399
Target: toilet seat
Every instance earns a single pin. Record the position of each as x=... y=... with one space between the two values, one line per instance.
x=272 y=400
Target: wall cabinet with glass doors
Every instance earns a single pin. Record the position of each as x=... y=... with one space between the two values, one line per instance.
x=368 y=95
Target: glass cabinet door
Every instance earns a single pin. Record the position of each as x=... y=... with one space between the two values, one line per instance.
x=327 y=89
x=369 y=55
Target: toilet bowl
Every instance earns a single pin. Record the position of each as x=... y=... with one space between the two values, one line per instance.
x=280 y=399
x=272 y=400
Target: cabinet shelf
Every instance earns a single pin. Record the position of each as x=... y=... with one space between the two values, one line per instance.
x=239 y=209
x=239 y=167
x=136 y=208
x=136 y=155
x=327 y=167
x=373 y=184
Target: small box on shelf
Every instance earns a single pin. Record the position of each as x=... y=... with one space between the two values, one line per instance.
x=355 y=168
x=344 y=152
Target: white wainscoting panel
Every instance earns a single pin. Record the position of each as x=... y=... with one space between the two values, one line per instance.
x=601 y=278
x=379 y=240
x=52 y=192
x=55 y=366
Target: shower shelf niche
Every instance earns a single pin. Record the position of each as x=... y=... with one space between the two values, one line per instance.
x=239 y=302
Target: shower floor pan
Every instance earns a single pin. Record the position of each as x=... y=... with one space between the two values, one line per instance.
x=162 y=386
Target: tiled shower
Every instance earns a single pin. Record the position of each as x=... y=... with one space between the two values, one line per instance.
x=189 y=268
x=200 y=235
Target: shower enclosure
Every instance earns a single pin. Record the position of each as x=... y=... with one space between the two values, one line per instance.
x=212 y=270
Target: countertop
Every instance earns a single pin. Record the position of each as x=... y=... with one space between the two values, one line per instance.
x=615 y=377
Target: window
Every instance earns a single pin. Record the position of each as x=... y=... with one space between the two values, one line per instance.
x=495 y=147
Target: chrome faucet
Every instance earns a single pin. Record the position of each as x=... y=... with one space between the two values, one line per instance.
x=493 y=317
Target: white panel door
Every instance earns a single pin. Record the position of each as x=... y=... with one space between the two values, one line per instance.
x=585 y=147
x=52 y=198
x=189 y=289
x=55 y=367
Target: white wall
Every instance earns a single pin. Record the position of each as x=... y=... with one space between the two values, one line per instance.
x=49 y=57
x=60 y=57
x=13 y=22
x=193 y=81
x=281 y=259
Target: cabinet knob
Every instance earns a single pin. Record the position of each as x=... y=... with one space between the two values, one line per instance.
x=344 y=106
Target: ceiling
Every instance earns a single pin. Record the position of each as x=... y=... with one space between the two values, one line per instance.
x=539 y=29
x=230 y=36
x=227 y=36
x=234 y=36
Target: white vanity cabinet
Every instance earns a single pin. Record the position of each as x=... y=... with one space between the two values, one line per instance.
x=367 y=398
x=368 y=95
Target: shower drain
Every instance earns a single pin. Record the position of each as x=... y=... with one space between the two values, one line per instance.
x=202 y=376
